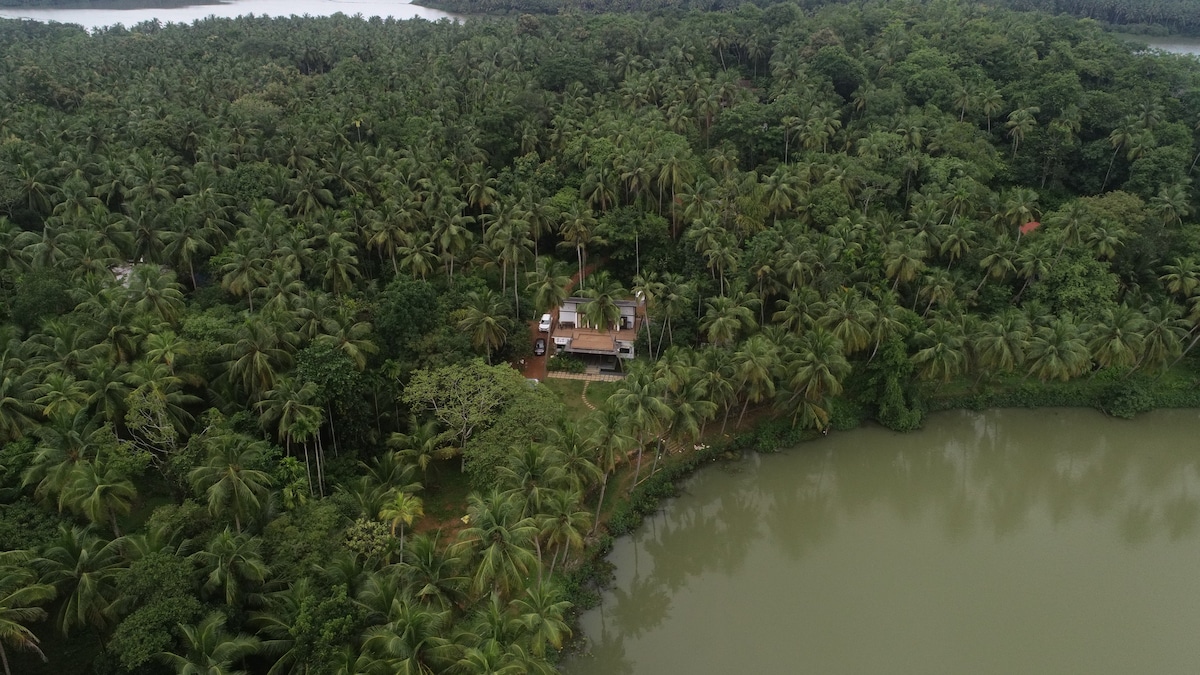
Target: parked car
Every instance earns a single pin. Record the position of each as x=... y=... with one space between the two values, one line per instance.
x=545 y=322
x=539 y=347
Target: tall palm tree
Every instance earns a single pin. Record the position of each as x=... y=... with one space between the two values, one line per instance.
x=1057 y=351
x=813 y=368
x=486 y=321
x=84 y=569
x=1118 y=339
x=1000 y=343
x=233 y=567
x=401 y=511
x=641 y=398
x=228 y=480
x=497 y=540
x=601 y=311
x=412 y=641
x=100 y=493
x=754 y=366
x=20 y=595
x=543 y=610
x=578 y=232
x=849 y=316
x=210 y=649
x=725 y=319
x=607 y=433
x=434 y=572
x=942 y=350
x=548 y=281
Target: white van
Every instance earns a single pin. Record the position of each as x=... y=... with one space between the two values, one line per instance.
x=545 y=322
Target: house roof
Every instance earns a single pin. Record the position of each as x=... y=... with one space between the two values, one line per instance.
x=594 y=341
x=1030 y=227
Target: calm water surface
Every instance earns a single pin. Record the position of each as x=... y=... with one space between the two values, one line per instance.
x=1178 y=45
x=133 y=12
x=1012 y=541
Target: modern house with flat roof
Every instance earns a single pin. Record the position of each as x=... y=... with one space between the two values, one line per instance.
x=573 y=334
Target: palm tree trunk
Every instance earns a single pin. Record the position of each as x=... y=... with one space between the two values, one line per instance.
x=1185 y=352
x=579 y=255
x=554 y=560
x=1110 y=166
x=600 y=502
x=308 y=469
x=332 y=427
x=638 y=471
x=537 y=547
x=320 y=453
x=743 y=415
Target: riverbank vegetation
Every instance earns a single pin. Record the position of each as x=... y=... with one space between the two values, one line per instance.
x=261 y=280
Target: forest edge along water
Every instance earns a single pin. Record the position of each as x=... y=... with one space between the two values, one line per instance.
x=263 y=292
x=1052 y=540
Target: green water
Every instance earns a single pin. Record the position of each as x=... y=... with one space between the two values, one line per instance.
x=1013 y=541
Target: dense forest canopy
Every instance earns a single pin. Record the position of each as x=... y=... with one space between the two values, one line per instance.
x=260 y=281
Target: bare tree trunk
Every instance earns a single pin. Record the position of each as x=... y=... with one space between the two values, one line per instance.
x=332 y=428
x=600 y=502
x=308 y=469
x=743 y=415
x=638 y=471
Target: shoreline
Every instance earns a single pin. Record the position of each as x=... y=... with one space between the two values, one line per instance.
x=593 y=573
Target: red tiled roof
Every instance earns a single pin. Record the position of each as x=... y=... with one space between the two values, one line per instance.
x=1030 y=227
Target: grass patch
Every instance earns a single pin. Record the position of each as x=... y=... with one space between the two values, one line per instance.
x=571 y=394
x=445 y=496
x=599 y=392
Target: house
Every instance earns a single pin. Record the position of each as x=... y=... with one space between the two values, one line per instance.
x=573 y=335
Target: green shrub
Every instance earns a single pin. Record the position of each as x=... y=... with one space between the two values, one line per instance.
x=564 y=363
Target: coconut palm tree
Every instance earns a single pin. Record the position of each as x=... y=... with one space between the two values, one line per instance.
x=412 y=641
x=601 y=311
x=728 y=317
x=813 y=369
x=578 y=232
x=548 y=281
x=434 y=572
x=20 y=595
x=608 y=433
x=641 y=398
x=210 y=649
x=1058 y=351
x=543 y=610
x=1118 y=339
x=941 y=352
x=754 y=366
x=1000 y=343
x=228 y=480
x=84 y=570
x=497 y=540
x=233 y=567
x=100 y=493
x=849 y=317
x=486 y=321
x=401 y=511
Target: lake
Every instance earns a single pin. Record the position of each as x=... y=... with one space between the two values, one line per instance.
x=131 y=12
x=1008 y=541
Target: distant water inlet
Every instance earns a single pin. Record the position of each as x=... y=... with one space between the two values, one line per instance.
x=132 y=12
x=1010 y=541
x=1177 y=45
